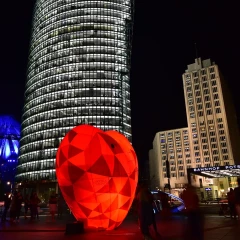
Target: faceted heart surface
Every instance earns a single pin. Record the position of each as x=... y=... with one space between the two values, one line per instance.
x=97 y=173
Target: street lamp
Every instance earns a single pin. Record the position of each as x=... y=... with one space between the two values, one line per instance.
x=9 y=183
x=168 y=170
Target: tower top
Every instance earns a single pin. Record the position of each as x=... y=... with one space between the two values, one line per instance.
x=199 y=64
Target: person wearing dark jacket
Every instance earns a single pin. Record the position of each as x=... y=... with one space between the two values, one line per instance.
x=7 y=203
x=192 y=210
x=145 y=211
x=53 y=205
x=231 y=203
x=13 y=208
x=237 y=198
x=19 y=201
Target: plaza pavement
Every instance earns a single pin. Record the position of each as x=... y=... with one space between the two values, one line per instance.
x=216 y=228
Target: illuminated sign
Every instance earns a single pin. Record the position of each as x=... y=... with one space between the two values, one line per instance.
x=206 y=169
x=208 y=189
x=210 y=169
x=232 y=167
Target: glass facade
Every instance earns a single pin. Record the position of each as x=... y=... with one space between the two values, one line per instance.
x=78 y=73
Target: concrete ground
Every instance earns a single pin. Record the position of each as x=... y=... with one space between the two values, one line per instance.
x=215 y=228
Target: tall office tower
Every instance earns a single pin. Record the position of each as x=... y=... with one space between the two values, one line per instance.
x=79 y=67
x=172 y=146
x=212 y=122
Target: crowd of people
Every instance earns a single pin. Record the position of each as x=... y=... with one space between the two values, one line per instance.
x=195 y=221
x=145 y=203
x=14 y=202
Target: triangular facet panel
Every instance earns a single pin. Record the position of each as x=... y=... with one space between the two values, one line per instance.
x=73 y=151
x=119 y=170
x=71 y=135
x=100 y=167
x=74 y=172
x=126 y=190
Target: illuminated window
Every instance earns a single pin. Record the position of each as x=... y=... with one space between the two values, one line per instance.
x=205 y=85
x=212 y=76
x=214 y=89
x=214 y=145
x=225 y=157
x=196 y=87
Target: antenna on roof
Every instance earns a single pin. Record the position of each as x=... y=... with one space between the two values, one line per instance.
x=196 y=50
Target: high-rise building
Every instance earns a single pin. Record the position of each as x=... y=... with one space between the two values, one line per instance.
x=78 y=73
x=212 y=122
x=170 y=147
x=212 y=132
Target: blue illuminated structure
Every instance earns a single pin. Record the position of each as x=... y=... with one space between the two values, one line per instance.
x=174 y=209
x=9 y=148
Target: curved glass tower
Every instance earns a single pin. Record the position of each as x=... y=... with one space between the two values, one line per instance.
x=79 y=67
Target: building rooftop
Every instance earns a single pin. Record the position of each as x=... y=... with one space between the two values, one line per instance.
x=199 y=64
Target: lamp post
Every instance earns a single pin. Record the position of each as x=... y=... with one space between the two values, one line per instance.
x=168 y=170
x=9 y=183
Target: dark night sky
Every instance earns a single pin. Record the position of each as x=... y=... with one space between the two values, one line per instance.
x=163 y=45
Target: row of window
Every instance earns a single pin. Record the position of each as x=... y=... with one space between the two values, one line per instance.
x=115 y=105
x=53 y=9
x=85 y=44
x=50 y=139
x=84 y=41
x=70 y=68
x=205 y=87
x=76 y=79
x=202 y=72
x=55 y=129
x=77 y=48
x=36 y=176
x=56 y=100
x=200 y=105
x=91 y=85
x=180 y=174
x=97 y=59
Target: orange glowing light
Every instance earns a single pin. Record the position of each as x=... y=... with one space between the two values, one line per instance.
x=97 y=173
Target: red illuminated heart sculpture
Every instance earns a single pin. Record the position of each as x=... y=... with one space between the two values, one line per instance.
x=97 y=173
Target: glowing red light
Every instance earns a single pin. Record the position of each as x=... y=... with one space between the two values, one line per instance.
x=97 y=173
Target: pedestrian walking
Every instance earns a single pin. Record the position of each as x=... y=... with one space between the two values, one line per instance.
x=34 y=201
x=19 y=201
x=231 y=203
x=165 y=206
x=237 y=198
x=60 y=205
x=7 y=203
x=13 y=208
x=194 y=229
x=26 y=205
x=53 y=205
x=145 y=211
